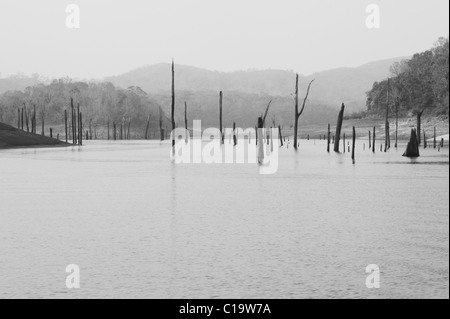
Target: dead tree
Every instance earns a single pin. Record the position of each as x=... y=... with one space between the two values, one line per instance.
x=397 y=106
x=220 y=116
x=26 y=117
x=147 y=127
x=280 y=135
x=266 y=112
x=186 y=121
x=425 y=143
x=329 y=138
x=173 y=104
x=386 y=127
x=80 y=127
x=353 y=146
x=412 y=150
x=339 y=128
x=234 y=134
x=419 y=126
x=434 y=139
x=297 y=112
x=374 y=139
x=260 y=141
x=65 y=124
x=161 y=130
x=74 y=133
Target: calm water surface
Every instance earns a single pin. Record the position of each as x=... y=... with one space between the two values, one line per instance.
x=140 y=226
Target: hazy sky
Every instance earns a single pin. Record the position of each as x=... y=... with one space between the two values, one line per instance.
x=302 y=35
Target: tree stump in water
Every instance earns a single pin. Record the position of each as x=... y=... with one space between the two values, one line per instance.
x=338 y=129
x=412 y=151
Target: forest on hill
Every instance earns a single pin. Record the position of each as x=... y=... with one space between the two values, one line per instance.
x=103 y=102
x=419 y=84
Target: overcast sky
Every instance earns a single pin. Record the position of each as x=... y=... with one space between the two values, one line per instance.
x=116 y=36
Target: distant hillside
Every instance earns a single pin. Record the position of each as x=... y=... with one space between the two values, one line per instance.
x=332 y=87
x=17 y=83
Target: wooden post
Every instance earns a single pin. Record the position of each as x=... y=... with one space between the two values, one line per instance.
x=18 y=118
x=114 y=131
x=108 y=131
x=51 y=133
x=353 y=146
x=339 y=128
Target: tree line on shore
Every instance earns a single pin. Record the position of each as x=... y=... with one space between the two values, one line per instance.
x=417 y=85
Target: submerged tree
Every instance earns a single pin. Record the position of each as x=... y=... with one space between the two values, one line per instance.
x=297 y=112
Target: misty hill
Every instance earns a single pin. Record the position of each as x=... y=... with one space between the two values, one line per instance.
x=332 y=87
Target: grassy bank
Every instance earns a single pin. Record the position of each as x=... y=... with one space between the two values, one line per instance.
x=363 y=126
x=12 y=137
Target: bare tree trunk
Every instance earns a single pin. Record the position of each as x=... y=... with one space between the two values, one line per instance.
x=260 y=141
x=65 y=124
x=412 y=149
x=186 y=121
x=26 y=117
x=173 y=105
x=43 y=122
x=353 y=146
x=280 y=136
x=234 y=134
x=18 y=118
x=147 y=127
x=374 y=139
x=419 y=127
x=434 y=140
x=343 y=143
x=74 y=134
x=328 y=138
x=296 y=115
x=339 y=128
x=425 y=143
x=108 y=131
x=397 y=105
x=220 y=117
x=22 y=121
x=386 y=128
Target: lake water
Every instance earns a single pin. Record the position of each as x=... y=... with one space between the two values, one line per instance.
x=139 y=226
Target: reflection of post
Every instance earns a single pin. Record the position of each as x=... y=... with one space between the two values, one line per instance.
x=260 y=141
